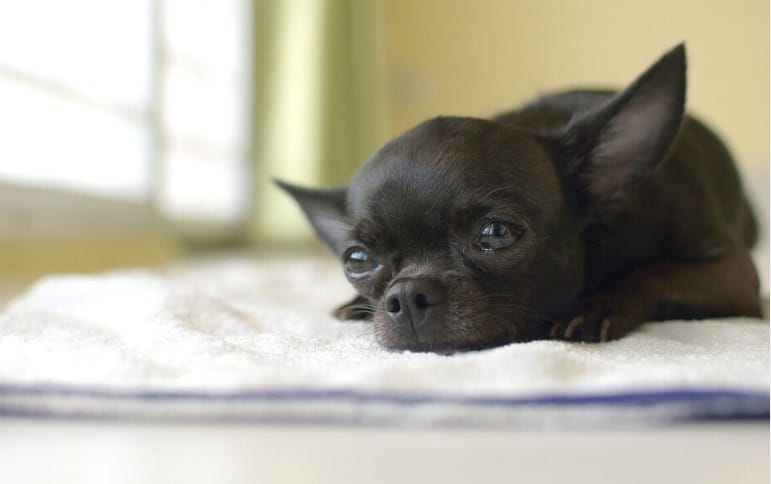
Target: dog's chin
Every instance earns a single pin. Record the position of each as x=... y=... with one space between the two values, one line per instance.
x=446 y=337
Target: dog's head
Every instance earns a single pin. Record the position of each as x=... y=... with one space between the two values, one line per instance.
x=464 y=233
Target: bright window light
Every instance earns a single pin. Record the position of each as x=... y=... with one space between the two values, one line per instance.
x=205 y=109
x=74 y=83
x=139 y=100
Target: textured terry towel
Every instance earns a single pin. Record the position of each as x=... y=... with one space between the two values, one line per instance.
x=251 y=340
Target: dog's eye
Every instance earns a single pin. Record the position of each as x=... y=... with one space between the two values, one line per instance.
x=497 y=235
x=357 y=261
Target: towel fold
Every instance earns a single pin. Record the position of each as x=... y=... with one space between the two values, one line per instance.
x=245 y=339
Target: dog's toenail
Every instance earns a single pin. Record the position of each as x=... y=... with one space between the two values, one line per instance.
x=573 y=325
x=605 y=329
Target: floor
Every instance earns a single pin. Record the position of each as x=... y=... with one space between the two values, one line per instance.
x=35 y=451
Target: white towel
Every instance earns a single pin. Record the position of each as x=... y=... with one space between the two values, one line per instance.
x=252 y=339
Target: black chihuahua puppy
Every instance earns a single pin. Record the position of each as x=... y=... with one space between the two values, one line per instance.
x=579 y=216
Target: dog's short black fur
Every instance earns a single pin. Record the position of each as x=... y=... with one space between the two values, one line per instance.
x=579 y=216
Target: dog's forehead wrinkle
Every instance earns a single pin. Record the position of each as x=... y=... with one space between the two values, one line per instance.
x=404 y=190
x=401 y=229
x=494 y=191
x=400 y=210
x=441 y=177
x=452 y=148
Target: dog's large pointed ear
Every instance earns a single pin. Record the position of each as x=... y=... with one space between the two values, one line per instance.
x=326 y=212
x=625 y=138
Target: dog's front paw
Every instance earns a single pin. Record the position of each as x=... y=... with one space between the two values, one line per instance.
x=581 y=329
x=598 y=320
x=357 y=308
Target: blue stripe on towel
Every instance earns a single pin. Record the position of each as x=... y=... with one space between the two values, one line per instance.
x=354 y=406
x=624 y=398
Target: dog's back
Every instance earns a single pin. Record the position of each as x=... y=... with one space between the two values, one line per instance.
x=691 y=207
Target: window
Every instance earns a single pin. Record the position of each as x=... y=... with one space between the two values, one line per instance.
x=143 y=100
x=205 y=109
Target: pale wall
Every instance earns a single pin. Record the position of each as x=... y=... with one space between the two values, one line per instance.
x=479 y=57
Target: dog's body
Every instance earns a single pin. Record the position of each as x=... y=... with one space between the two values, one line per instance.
x=579 y=216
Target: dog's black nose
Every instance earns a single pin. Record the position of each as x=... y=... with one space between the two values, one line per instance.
x=415 y=301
